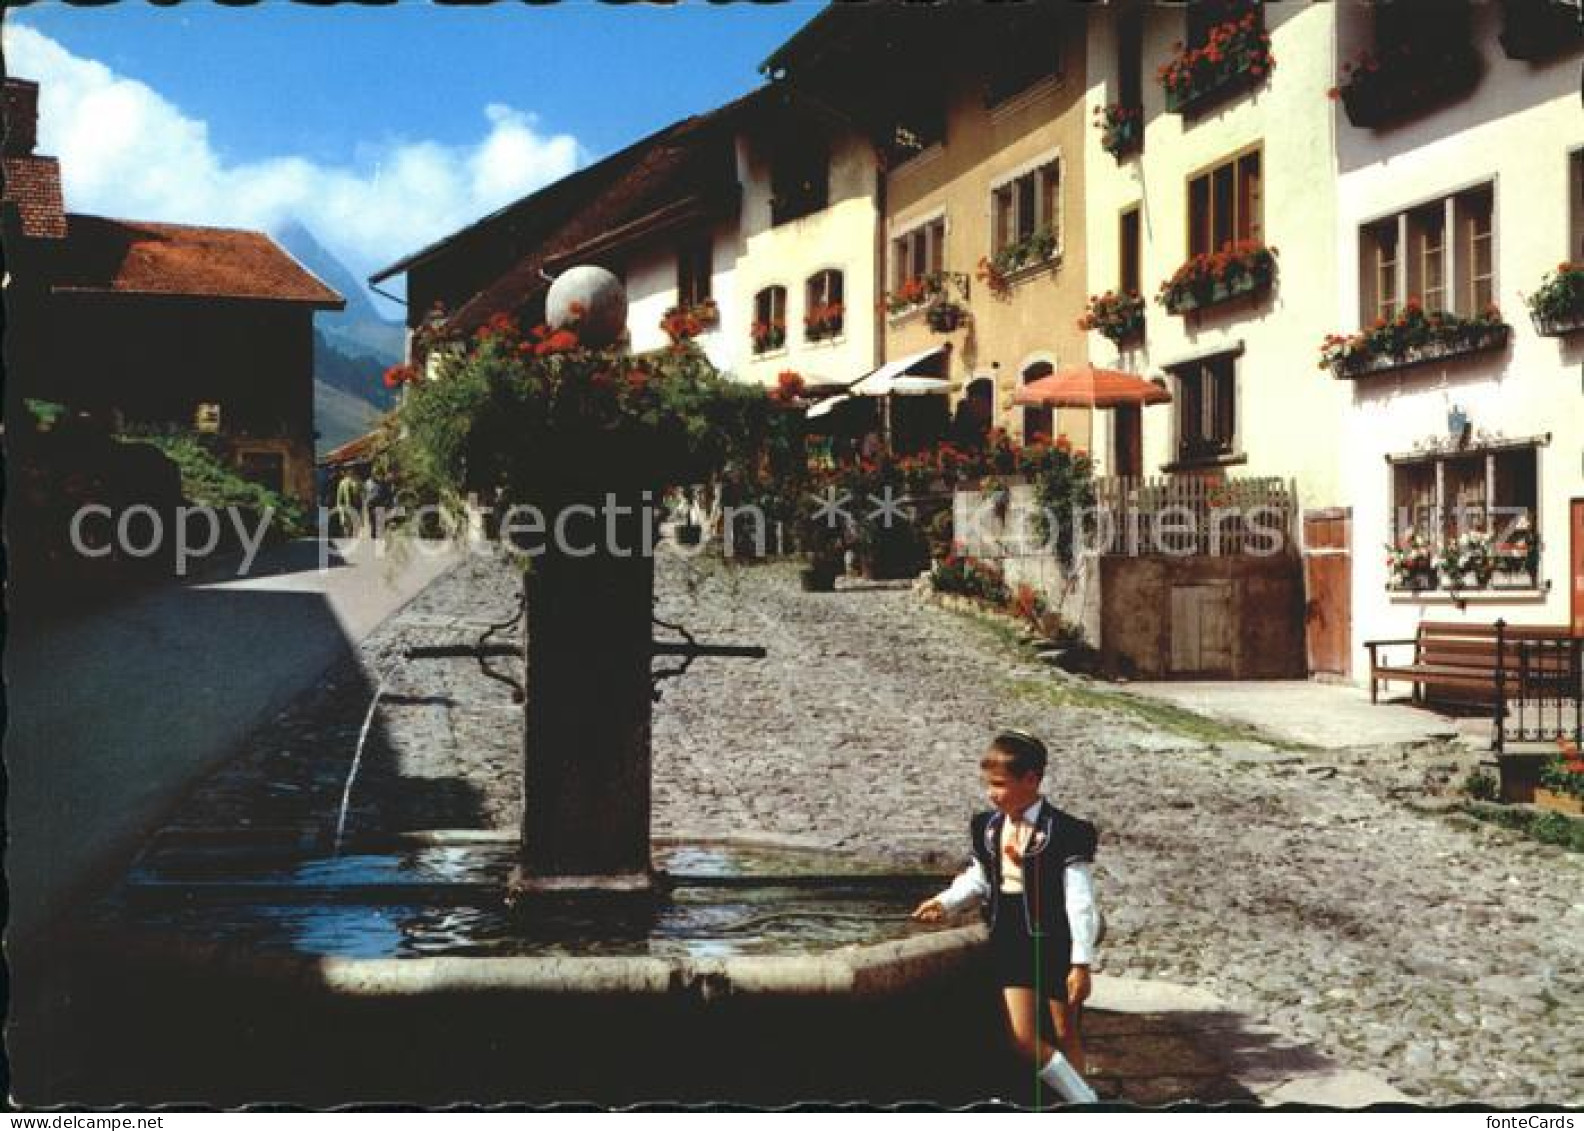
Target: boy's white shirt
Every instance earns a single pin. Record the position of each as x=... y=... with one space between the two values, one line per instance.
x=1083 y=917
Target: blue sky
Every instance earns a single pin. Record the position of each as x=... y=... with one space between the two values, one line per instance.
x=380 y=128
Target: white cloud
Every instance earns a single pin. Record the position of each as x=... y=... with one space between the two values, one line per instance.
x=126 y=151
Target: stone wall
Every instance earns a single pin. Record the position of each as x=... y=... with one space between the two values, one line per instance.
x=1008 y=539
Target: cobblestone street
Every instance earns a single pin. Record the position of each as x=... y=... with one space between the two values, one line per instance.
x=1444 y=956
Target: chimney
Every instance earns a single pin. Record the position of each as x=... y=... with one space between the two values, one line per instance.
x=21 y=117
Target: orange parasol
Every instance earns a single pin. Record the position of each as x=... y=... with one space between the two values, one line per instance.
x=1087 y=386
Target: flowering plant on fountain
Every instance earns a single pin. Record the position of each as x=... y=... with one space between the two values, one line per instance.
x=525 y=417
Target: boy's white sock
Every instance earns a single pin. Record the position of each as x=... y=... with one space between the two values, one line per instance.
x=1064 y=1078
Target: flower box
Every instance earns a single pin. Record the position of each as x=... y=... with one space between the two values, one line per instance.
x=1364 y=363
x=1558 y=802
x=1212 y=86
x=1218 y=292
x=1382 y=93
x=1236 y=55
x=1540 y=29
x=1555 y=327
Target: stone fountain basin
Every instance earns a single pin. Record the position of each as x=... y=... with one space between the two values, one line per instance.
x=182 y=997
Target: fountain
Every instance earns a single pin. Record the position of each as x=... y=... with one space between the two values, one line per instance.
x=393 y=968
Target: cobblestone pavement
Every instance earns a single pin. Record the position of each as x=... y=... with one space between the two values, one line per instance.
x=1444 y=956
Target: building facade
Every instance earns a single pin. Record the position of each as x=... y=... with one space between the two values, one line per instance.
x=1460 y=184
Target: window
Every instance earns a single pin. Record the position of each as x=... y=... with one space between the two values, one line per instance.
x=1206 y=408
x=919 y=253
x=695 y=267
x=1378 y=246
x=1441 y=253
x=206 y=417
x=1576 y=205
x=1025 y=48
x=1129 y=252
x=1024 y=216
x=799 y=178
x=769 y=326
x=1492 y=494
x=1203 y=15
x=1130 y=58
x=823 y=311
x=1225 y=205
x=1040 y=421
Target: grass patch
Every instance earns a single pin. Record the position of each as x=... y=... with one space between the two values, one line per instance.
x=1542 y=825
x=1162 y=716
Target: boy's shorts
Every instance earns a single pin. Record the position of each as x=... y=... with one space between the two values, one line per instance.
x=1018 y=959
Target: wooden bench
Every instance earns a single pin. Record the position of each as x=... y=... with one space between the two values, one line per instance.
x=1468 y=658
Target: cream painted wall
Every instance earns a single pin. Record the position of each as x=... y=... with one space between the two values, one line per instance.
x=1037 y=322
x=1515 y=130
x=840 y=236
x=1288 y=412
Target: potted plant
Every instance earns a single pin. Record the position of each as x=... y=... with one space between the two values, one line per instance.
x=1411 y=562
x=1240 y=268
x=1235 y=52
x=823 y=321
x=1464 y=557
x=912 y=293
x=1557 y=308
x=944 y=316
x=1121 y=128
x=768 y=336
x=1118 y=317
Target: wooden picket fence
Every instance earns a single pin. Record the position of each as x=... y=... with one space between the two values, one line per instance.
x=1183 y=516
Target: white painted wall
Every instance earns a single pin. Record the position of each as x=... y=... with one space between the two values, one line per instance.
x=652 y=290
x=1289 y=413
x=841 y=236
x=1515 y=129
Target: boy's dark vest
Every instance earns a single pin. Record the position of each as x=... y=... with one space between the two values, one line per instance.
x=1059 y=839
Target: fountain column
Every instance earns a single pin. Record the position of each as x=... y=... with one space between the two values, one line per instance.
x=585 y=822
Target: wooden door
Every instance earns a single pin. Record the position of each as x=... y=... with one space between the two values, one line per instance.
x=1128 y=441
x=1201 y=630
x=1578 y=567
x=1328 y=589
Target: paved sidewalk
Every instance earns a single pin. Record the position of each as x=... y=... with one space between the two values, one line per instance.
x=114 y=713
x=1157 y=1043
x=1324 y=715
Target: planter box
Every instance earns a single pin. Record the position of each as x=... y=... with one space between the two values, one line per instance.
x=1520 y=776
x=1558 y=802
x=1227 y=80
x=1350 y=368
x=1556 y=327
x=1539 y=29
x=1221 y=292
x=1405 y=88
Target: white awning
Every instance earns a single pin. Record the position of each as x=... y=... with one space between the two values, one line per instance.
x=893 y=377
x=826 y=406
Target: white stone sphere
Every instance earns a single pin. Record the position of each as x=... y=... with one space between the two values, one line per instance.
x=601 y=300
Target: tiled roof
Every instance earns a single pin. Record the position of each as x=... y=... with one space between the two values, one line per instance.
x=33 y=185
x=141 y=257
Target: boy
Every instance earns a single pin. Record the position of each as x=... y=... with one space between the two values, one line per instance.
x=1031 y=869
